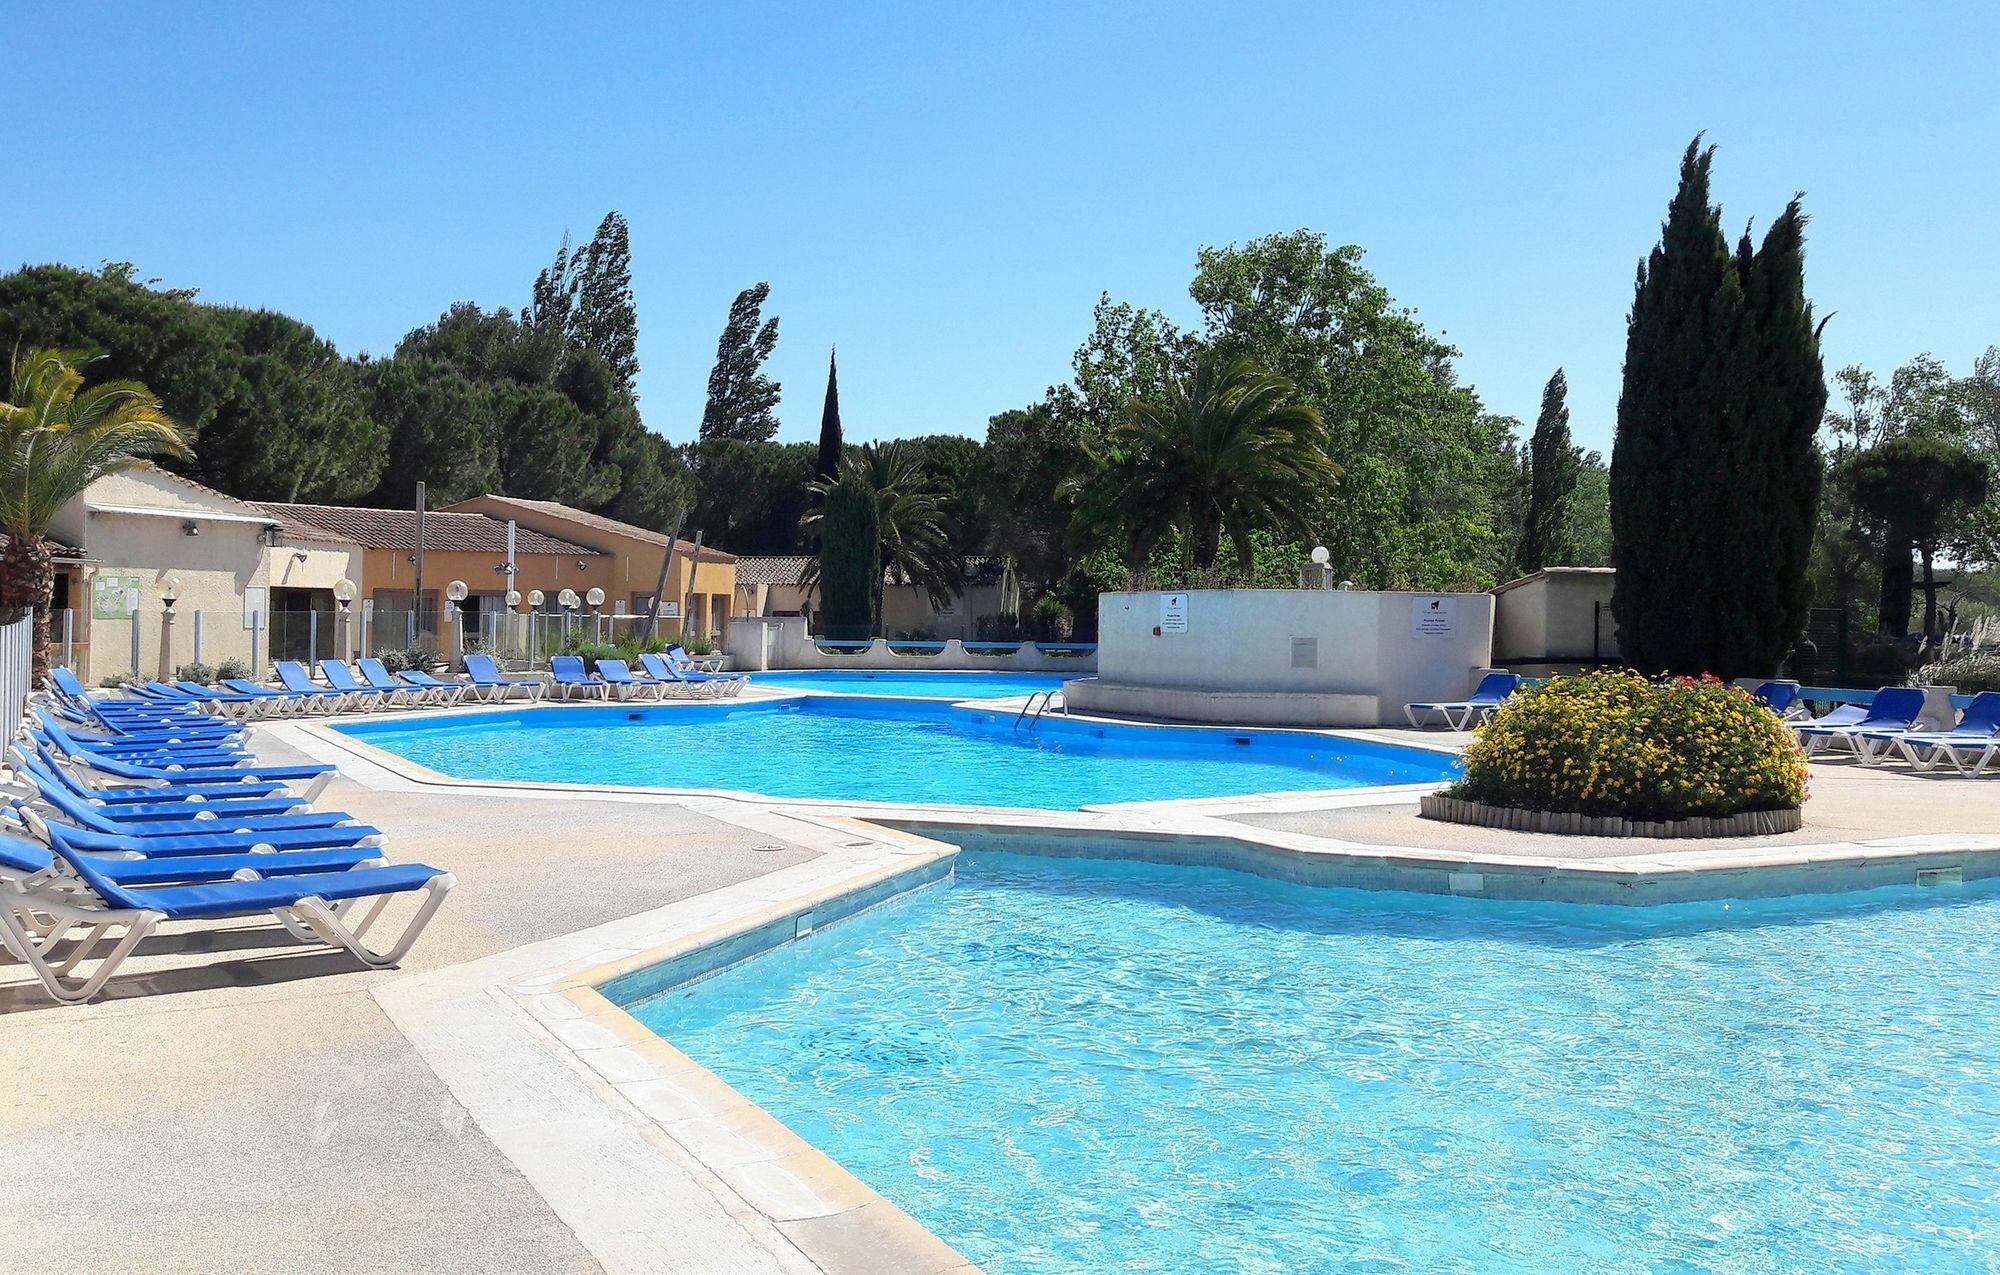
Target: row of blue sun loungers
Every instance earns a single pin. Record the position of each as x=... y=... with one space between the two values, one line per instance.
x=1893 y=727
x=368 y=684
x=120 y=814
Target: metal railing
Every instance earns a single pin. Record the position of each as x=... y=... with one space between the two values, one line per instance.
x=17 y=668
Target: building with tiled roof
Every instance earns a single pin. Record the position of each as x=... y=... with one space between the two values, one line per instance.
x=397 y=529
x=701 y=592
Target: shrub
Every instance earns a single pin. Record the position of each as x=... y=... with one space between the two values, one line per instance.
x=405 y=659
x=693 y=646
x=1971 y=671
x=1614 y=743
x=112 y=681
x=203 y=673
x=231 y=667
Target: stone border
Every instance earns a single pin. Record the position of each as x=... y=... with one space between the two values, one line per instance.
x=1754 y=823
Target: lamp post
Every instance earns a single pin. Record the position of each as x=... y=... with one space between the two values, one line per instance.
x=455 y=594
x=343 y=593
x=170 y=593
x=596 y=600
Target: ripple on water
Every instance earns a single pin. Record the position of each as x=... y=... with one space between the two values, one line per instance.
x=1073 y=1065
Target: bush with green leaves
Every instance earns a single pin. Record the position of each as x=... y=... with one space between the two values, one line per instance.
x=1615 y=743
x=410 y=659
x=231 y=668
x=1972 y=670
x=202 y=673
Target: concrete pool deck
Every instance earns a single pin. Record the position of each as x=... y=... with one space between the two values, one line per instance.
x=239 y=1104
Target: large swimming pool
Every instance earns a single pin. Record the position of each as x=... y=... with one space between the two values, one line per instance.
x=1063 y=1065
x=855 y=749
x=914 y=684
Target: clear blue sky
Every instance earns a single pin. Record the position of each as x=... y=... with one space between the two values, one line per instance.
x=944 y=189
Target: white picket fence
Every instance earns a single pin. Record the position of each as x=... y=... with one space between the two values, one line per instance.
x=17 y=664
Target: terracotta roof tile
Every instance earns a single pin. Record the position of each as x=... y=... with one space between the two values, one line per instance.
x=612 y=526
x=397 y=529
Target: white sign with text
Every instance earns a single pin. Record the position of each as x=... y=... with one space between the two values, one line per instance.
x=1432 y=617
x=1173 y=613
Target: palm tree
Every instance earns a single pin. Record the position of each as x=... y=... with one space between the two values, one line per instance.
x=1224 y=452
x=915 y=534
x=57 y=438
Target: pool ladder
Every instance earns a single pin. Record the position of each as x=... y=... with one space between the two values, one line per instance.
x=1033 y=713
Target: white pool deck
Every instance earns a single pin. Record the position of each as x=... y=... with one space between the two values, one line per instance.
x=238 y=1105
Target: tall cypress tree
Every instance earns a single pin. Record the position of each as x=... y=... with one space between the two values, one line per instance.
x=1554 y=465
x=603 y=318
x=1714 y=481
x=850 y=559
x=829 y=423
x=740 y=396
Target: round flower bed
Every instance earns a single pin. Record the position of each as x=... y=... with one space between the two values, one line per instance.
x=1613 y=748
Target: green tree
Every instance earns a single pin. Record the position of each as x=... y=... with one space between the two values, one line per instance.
x=913 y=536
x=1422 y=501
x=57 y=438
x=750 y=497
x=1032 y=457
x=740 y=396
x=830 y=446
x=1554 y=467
x=1226 y=451
x=1715 y=474
x=277 y=411
x=439 y=432
x=849 y=562
x=603 y=318
x=1919 y=487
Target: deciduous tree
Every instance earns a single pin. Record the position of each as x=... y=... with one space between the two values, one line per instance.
x=740 y=396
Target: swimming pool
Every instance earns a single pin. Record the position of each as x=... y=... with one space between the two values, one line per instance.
x=919 y=685
x=1067 y=1065
x=856 y=749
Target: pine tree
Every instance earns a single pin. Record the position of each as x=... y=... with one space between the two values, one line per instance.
x=850 y=561
x=829 y=424
x=1714 y=480
x=1554 y=466
x=740 y=396
x=603 y=318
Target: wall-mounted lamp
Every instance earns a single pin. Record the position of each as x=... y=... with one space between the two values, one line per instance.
x=343 y=593
x=581 y=565
x=191 y=528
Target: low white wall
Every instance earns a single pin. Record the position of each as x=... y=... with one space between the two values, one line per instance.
x=756 y=643
x=1296 y=656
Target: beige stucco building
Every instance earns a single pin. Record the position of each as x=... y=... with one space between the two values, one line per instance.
x=775 y=586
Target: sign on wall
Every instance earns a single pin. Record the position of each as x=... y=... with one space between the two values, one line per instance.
x=1173 y=613
x=1434 y=617
x=256 y=601
x=114 y=597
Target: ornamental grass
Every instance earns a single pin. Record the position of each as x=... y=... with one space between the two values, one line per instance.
x=1615 y=743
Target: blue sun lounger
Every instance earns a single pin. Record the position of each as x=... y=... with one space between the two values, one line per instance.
x=567 y=675
x=36 y=923
x=1895 y=710
x=491 y=685
x=693 y=680
x=1492 y=691
x=1969 y=748
x=621 y=681
x=273 y=699
x=441 y=692
x=175 y=772
x=27 y=863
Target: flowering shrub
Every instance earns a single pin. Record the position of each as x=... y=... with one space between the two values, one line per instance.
x=1615 y=743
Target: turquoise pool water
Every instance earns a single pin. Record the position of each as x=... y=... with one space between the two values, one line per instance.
x=915 y=685
x=889 y=750
x=1063 y=1065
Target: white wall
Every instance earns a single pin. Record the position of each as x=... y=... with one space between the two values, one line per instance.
x=1307 y=656
x=1551 y=615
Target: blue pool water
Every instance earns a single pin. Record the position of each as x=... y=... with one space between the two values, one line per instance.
x=890 y=750
x=1063 y=1065
x=915 y=685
